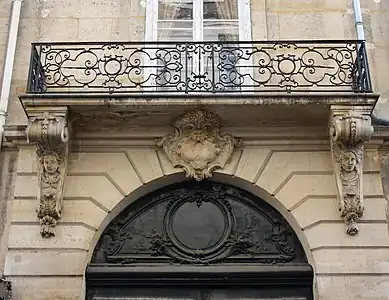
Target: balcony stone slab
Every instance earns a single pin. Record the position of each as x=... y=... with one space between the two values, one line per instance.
x=264 y=110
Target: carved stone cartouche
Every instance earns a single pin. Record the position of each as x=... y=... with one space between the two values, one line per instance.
x=348 y=133
x=50 y=134
x=197 y=145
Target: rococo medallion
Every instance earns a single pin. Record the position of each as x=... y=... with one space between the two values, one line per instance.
x=197 y=145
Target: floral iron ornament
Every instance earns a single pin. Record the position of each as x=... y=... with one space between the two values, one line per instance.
x=50 y=134
x=348 y=133
x=197 y=145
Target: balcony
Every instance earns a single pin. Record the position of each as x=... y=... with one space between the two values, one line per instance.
x=192 y=68
x=270 y=82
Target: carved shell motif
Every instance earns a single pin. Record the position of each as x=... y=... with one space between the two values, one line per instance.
x=197 y=145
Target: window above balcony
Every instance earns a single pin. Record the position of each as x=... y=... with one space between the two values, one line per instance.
x=198 y=20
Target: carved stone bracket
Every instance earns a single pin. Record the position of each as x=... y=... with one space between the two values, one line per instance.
x=197 y=145
x=349 y=129
x=49 y=131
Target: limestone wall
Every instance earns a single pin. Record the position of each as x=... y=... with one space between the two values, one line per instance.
x=347 y=267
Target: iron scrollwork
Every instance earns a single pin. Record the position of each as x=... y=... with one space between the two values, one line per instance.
x=199 y=223
x=208 y=67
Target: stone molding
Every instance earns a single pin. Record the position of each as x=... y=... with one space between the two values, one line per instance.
x=197 y=146
x=49 y=131
x=350 y=128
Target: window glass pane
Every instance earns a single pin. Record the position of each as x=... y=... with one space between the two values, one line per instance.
x=175 y=25
x=175 y=35
x=221 y=9
x=175 y=9
x=221 y=31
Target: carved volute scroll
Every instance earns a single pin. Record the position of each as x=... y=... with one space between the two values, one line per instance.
x=50 y=134
x=348 y=133
x=197 y=145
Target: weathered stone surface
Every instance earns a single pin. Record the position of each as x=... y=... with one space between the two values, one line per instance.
x=116 y=166
x=251 y=163
x=351 y=261
x=325 y=208
x=26 y=186
x=334 y=235
x=340 y=287
x=297 y=187
x=97 y=187
x=28 y=236
x=41 y=288
x=74 y=211
x=37 y=263
x=146 y=163
x=284 y=164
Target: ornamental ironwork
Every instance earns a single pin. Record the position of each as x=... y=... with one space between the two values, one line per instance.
x=199 y=223
x=207 y=67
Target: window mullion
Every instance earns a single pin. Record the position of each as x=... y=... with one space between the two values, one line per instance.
x=244 y=16
x=197 y=32
x=198 y=20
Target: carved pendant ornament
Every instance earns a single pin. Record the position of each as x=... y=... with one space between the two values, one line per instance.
x=50 y=134
x=348 y=133
x=197 y=145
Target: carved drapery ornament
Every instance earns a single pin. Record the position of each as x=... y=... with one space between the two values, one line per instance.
x=348 y=133
x=197 y=145
x=50 y=134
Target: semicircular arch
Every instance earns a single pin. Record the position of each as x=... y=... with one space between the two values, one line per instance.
x=214 y=231
x=234 y=181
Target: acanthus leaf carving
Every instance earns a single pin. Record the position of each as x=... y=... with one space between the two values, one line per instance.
x=50 y=134
x=197 y=145
x=348 y=133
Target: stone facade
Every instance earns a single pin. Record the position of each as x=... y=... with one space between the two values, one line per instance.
x=289 y=165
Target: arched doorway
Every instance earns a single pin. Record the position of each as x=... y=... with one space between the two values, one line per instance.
x=200 y=241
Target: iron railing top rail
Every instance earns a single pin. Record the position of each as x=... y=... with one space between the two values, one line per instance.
x=216 y=67
x=78 y=43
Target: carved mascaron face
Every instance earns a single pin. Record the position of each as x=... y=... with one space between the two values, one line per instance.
x=50 y=163
x=348 y=161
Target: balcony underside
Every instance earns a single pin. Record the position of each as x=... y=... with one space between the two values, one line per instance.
x=303 y=110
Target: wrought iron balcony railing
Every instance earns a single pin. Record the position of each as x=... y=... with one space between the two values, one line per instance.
x=206 y=67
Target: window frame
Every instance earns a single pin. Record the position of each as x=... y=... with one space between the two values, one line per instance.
x=244 y=16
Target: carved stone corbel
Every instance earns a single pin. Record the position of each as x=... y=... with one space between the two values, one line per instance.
x=49 y=131
x=348 y=131
x=197 y=145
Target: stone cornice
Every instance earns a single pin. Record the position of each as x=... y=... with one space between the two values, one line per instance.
x=282 y=137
